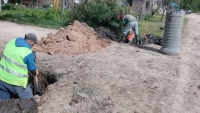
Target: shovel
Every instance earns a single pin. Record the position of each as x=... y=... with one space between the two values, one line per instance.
x=35 y=85
x=36 y=88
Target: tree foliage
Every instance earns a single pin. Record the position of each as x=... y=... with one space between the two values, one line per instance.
x=101 y=13
x=130 y=2
x=166 y=5
x=193 y=5
x=98 y=12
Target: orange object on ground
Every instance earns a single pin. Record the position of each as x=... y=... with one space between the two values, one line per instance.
x=131 y=35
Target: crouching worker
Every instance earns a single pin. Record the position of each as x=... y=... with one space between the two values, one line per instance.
x=16 y=61
x=130 y=23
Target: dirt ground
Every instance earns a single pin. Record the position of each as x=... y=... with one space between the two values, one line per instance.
x=18 y=106
x=120 y=78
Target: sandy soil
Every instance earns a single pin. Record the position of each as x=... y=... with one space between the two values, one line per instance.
x=120 y=78
x=77 y=38
x=10 y=30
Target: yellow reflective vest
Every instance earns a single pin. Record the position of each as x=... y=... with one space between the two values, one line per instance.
x=13 y=70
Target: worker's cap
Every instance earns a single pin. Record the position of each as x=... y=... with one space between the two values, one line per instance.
x=31 y=36
x=121 y=16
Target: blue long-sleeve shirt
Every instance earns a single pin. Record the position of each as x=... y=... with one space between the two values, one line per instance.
x=29 y=59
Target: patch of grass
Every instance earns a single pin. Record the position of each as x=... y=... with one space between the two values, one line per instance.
x=49 y=18
x=85 y=89
x=152 y=26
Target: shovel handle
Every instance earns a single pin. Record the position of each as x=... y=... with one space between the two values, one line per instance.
x=36 y=80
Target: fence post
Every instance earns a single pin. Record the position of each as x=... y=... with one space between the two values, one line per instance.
x=63 y=7
x=0 y=5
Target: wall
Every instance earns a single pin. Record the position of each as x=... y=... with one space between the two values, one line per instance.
x=140 y=6
x=136 y=6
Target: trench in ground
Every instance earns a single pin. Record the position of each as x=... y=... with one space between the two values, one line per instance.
x=46 y=78
x=15 y=105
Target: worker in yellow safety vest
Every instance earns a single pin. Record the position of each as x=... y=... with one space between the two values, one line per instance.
x=17 y=60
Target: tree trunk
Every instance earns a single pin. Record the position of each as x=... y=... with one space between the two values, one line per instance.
x=140 y=14
x=162 y=14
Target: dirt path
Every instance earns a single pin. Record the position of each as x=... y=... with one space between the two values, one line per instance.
x=9 y=30
x=122 y=78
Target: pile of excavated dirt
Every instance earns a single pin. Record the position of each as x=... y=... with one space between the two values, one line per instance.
x=105 y=33
x=74 y=39
x=151 y=39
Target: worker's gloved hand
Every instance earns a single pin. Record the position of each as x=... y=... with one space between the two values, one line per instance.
x=35 y=72
x=32 y=74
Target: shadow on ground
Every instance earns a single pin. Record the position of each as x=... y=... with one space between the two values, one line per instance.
x=147 y=48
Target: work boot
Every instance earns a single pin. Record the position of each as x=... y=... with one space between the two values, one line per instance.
x=120 y=41
x=130 y=41
x=137 y=39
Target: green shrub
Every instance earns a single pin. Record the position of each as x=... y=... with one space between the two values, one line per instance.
x=101 y=13
x=8 y=6
x=147 y=17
